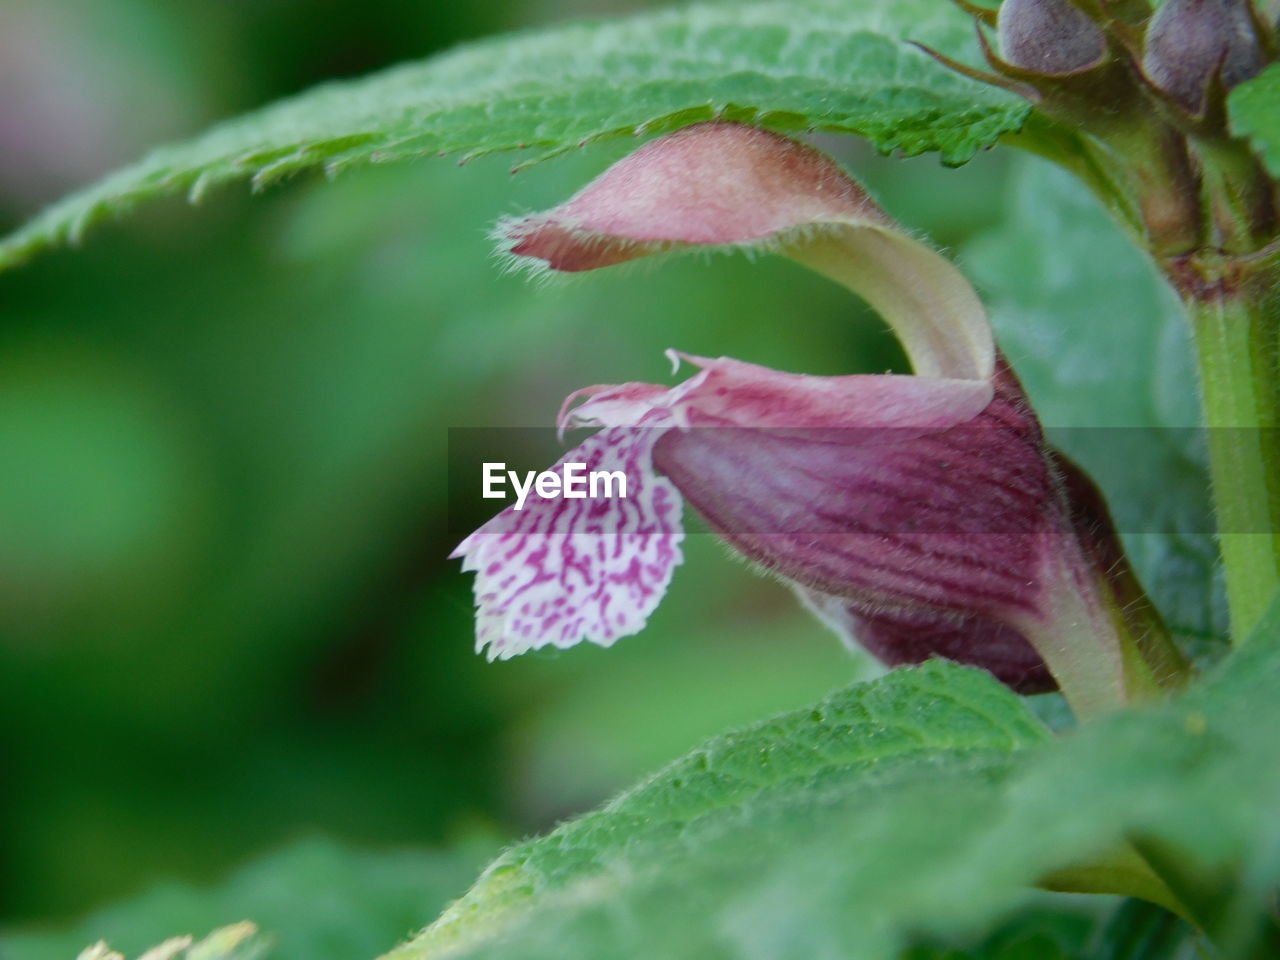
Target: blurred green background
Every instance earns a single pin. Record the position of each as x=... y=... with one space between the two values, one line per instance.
x=228 y=626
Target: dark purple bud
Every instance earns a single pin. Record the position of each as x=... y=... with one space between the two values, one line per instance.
x=1049 y=36
x=1191 y=41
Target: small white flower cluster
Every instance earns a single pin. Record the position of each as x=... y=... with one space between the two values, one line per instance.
x=239 y=941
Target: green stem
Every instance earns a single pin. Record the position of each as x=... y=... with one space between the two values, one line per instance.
x=1163 y=178
x=1239 y=197
x=1236 y=323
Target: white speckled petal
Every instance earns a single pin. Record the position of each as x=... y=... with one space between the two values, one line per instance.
x=561 y=571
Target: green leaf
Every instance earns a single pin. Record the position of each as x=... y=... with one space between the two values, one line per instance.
x=1254 y=108
x=1102 y=346
x=732 y=800
x=817 y=64
x=923 y=804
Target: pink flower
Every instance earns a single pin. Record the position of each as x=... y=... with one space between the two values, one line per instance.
x=918 y=514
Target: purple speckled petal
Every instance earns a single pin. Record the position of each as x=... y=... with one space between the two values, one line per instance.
x=563 y=570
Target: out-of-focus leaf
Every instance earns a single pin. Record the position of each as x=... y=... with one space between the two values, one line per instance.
x=815 y=64
x=87 y=82
x=1058 y=927
x=314 y=900
x=1102 y=346
x=1254 y=108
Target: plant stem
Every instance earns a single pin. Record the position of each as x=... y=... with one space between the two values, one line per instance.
x=1235 y=320
x=1164 y=181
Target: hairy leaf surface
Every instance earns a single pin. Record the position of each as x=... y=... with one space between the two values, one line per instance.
x=740 y=803
x=816 y=64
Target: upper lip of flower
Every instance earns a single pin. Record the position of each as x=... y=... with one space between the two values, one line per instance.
x=722 y=184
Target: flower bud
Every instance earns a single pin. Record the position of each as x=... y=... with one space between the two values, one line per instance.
x=1049 y=36
x=1189 y=42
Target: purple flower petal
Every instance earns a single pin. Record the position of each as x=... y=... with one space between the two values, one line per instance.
x=922 y=515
